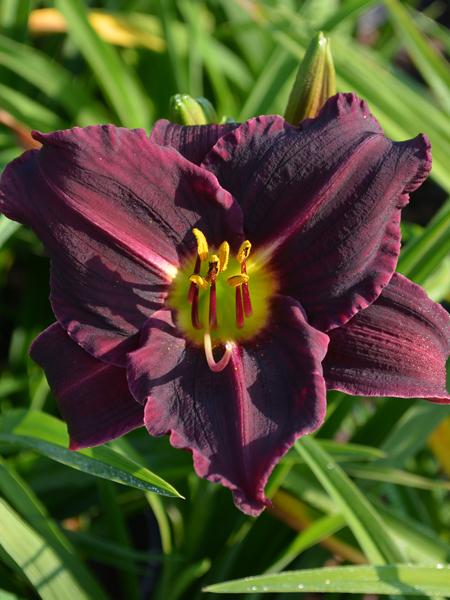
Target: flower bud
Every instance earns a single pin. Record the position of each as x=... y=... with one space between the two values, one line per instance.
x=208 y=109
x=186 y=110
x=315 y=81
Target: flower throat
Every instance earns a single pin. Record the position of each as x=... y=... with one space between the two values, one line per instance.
x=214 y=308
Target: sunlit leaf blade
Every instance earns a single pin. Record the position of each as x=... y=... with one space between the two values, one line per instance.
x=419 y=542
x=36 y=558
x=7 y=229
x=411 y=432
x=364 y=521
x=385 y=474
x=4 y=595
x=263 y=96
x=23 y=499
x=431 y=66
x=47 y=435
x=413 y=580
x=319 y=530
x=350 y=8
x=118 y=82
x=27 y=110
x=51 y=78
x=422 y=254
x=342 y=452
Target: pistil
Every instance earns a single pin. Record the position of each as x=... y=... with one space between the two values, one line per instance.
x=220 y=365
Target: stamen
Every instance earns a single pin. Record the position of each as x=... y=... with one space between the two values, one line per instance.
x=194 y=310
x=193 y=286
x=216 y=367
x=244 y=251
x=248 y=309
x=224 y=254
x=199 y=281
x=239 y=308
x=213 y=306
x=236 y=280
x=202 y=244
x=214 y=266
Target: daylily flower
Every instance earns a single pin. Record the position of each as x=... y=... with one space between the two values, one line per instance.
x=213 y=281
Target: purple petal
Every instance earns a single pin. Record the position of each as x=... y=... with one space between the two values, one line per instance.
x=93 y=396
x=193 y=142
x=396 y=347
x=324 y=199
x=115 y=213
x=239 y=422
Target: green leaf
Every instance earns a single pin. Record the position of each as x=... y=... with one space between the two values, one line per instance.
x=22 y=497
x=431 y=66
x=348 y=9
x=36 y=559
x=47 y=435
x=362 y=518
x=423 y=254
x=378 y=472
x=413 y=580
x=4 y=595
x=319 y=530
x=350 y=452
x=51 y=78
x=28 y=111
x=420 y=543
x=411 y=432
x=261 y=100
x=119 y=83
x=7 y=229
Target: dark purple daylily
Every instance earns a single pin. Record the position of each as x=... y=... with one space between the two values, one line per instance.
x=213 y=281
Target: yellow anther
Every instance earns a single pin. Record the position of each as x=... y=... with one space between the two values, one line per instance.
x=214 y=262
x=202 y=244
x=224 y=254
x=237 y=280
x=200 y=281
x=244 y=251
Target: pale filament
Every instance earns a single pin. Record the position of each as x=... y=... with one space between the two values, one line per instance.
x=220 y=365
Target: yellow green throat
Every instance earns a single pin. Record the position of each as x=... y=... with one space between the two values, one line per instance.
x=221 y=299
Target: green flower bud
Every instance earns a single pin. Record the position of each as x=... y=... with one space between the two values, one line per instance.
x=186 y=110
x=315 y=81
x=208 y=109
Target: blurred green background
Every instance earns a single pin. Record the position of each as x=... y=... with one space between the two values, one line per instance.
x=372 y=486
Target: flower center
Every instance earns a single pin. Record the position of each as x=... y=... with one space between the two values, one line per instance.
x=221 y=298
